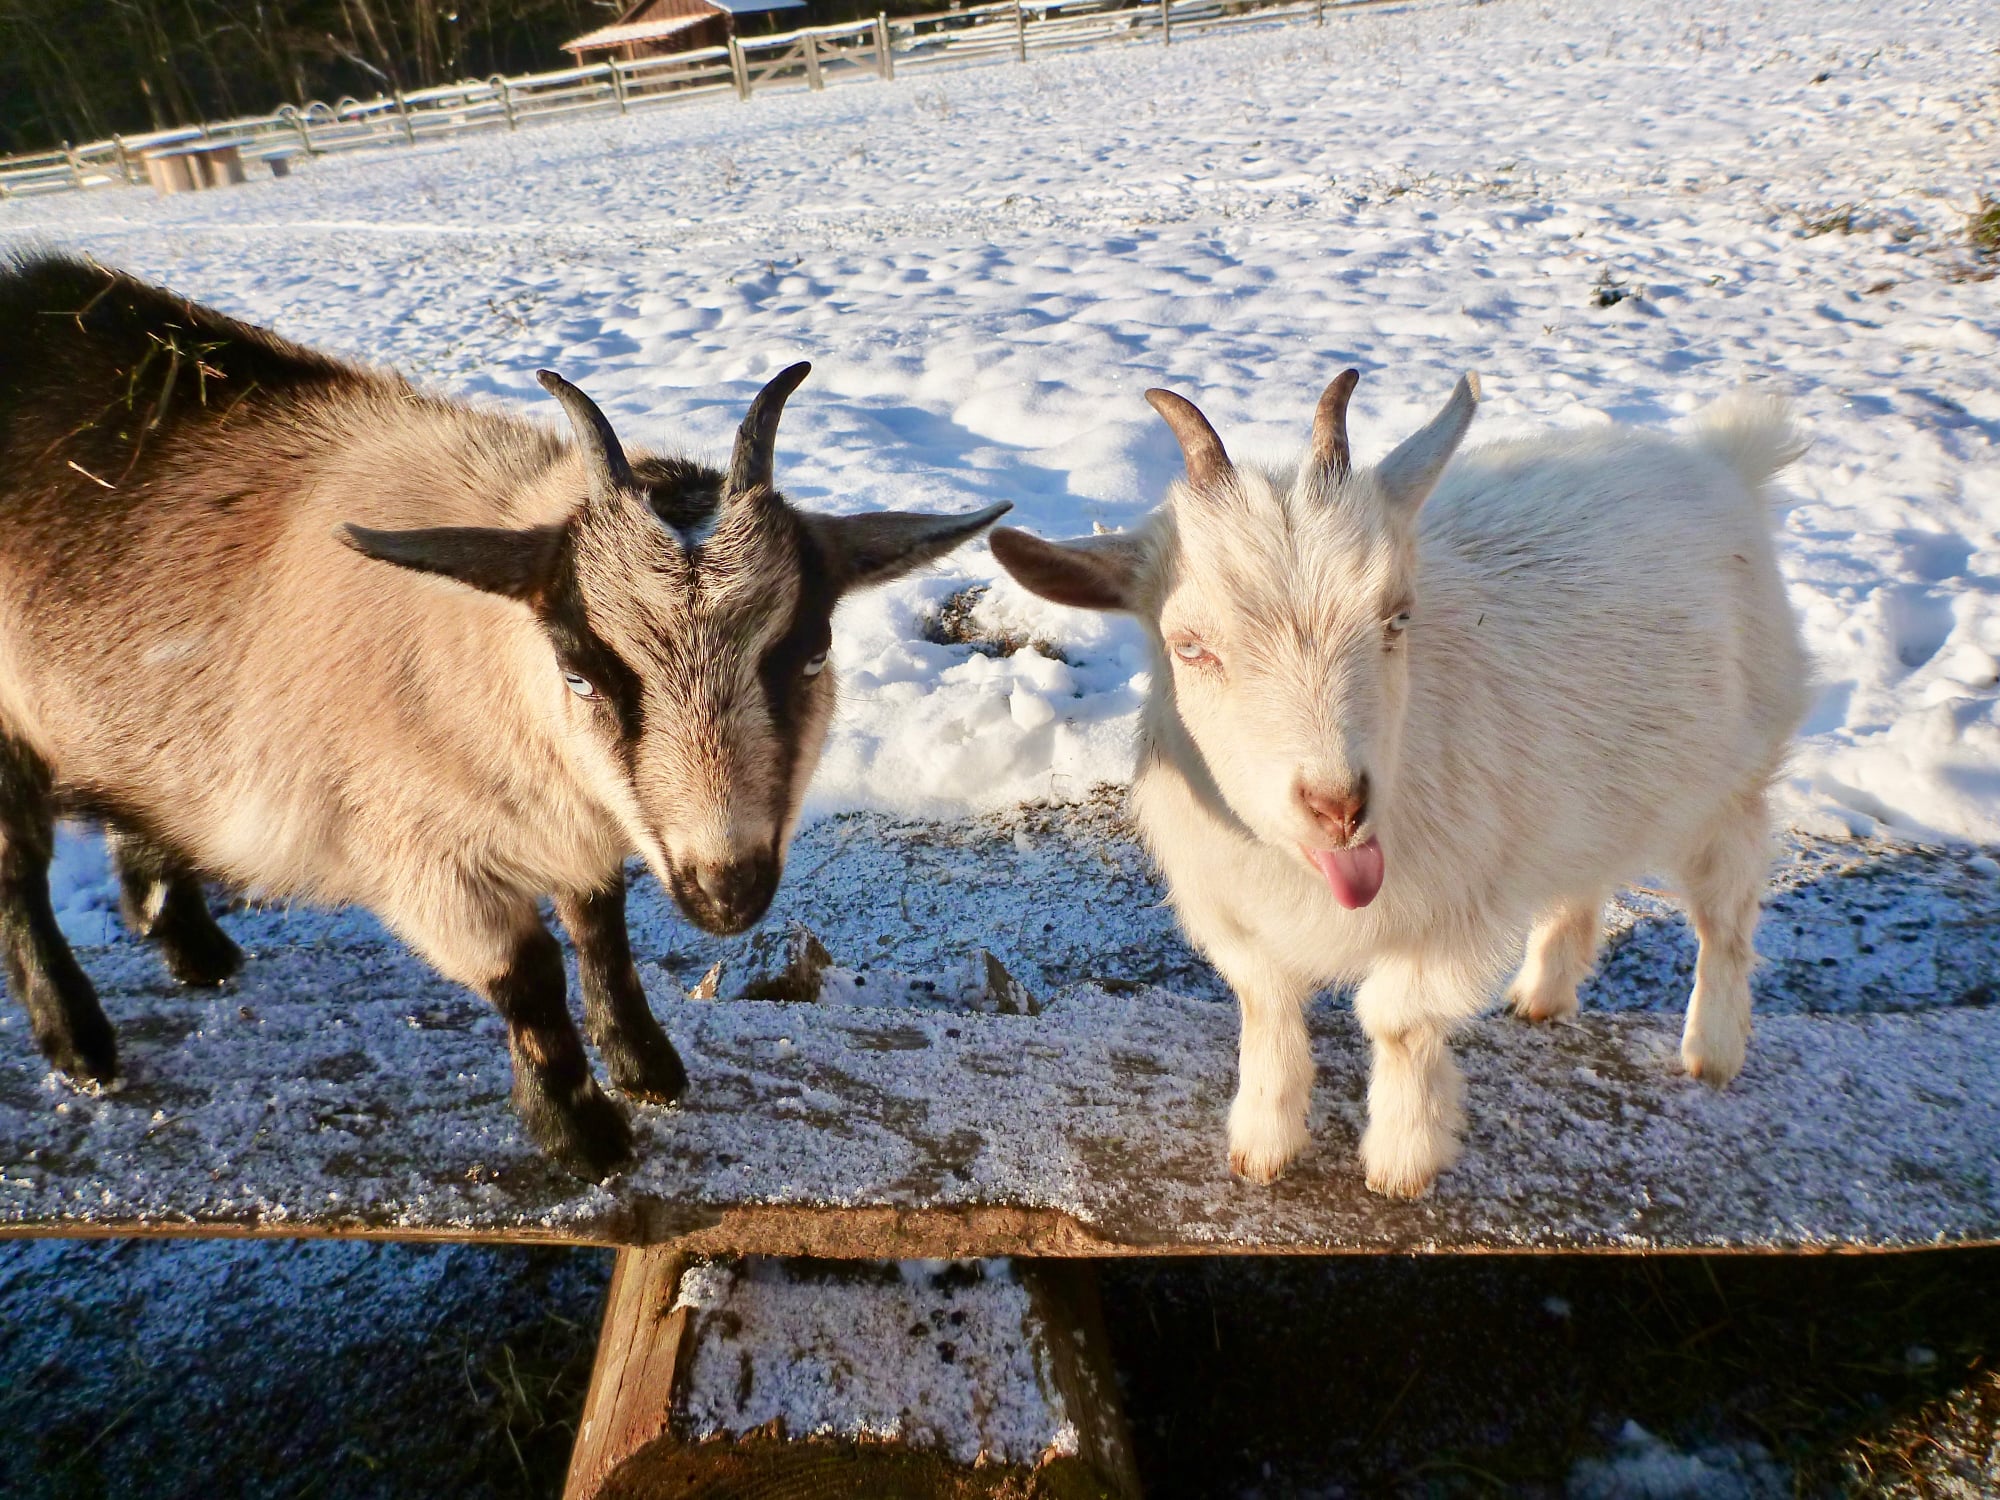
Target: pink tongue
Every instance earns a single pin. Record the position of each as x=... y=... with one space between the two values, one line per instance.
x=1354 y=874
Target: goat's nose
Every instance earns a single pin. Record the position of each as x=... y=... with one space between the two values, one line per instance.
x=1338 y=814
x=727 y=896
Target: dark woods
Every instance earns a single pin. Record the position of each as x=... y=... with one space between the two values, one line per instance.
x=76 y=70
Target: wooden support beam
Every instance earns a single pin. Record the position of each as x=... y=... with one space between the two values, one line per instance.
x=885 y=60
x=1020 y=33
x=813 y=75
x=738 y=69
x=820 y=1380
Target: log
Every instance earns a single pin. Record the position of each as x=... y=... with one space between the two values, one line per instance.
x=818 y=1379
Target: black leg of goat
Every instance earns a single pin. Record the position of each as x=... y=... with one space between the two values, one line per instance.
x=163 y=902
x=640 y=1058
x=68 y=1023
x=566 y=1114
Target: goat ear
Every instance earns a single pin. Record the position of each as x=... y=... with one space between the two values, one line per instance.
x=518 y=564
x=1408 y=475
x=865 y=550
x=1092 y=572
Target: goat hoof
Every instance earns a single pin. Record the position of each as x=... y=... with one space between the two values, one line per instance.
x=1405 y=1166
x=1714 y=1063
x=586 y=1135
x=644 y=1065
x=85 y=1050
x=202 y=958
x=1541 y=1005
x=1261 y=1149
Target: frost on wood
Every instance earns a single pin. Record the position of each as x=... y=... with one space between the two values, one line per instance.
x=949 y=1357
x=342 y=1085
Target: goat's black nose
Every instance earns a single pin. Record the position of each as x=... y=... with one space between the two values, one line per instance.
x=725 y=898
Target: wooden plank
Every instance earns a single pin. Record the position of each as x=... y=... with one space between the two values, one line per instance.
x=341 y=1087
x=827 y=1379
x=346 y=1092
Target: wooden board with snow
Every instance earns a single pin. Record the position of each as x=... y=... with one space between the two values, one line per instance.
x=341 y=1087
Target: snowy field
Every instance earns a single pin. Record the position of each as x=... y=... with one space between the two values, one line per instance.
x=988 y=266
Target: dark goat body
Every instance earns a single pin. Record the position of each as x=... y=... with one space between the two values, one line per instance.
x=290 y=623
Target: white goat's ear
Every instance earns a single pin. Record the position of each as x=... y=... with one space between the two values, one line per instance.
x=518 y=564
x=865 y=550
x=1408 y=475
x=1092 y=572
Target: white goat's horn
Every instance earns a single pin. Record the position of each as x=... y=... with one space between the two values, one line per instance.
x=750 y=466
x=1329 y=439
x=1207 y=462
x=603 y=460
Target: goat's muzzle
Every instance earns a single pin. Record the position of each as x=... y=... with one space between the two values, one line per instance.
x=726 y=898
x=1338 y=815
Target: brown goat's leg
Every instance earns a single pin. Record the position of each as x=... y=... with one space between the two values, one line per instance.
x=616 y=1017
x=68 y=1024
x=566 y=1114
x=162 y=902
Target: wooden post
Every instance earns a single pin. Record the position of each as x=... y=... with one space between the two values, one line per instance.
x=403 y=109
x=124 y=159
x=738 y=67
x=885 y=62
x=1021 y=33
x=75 y=164
x=812 y=60
x=1166 y=24
x=507 y=99
x=1319 y=12
x=682 y=1400
x=618 y=88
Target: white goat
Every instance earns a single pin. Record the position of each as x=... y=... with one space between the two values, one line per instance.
x=1386 y=736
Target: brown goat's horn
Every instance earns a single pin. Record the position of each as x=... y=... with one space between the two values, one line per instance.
x=603 y=460
x=750 y=465
x=1207 y=463
x=1329 y=439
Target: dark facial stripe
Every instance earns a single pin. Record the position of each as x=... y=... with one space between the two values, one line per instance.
x=809 y=634
x=579 y=649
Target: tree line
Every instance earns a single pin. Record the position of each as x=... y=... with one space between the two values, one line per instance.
x=76 y=70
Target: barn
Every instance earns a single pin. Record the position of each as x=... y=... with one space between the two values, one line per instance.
x=657 y=28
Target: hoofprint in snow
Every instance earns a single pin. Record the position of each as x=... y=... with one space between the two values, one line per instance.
x=1612 y=212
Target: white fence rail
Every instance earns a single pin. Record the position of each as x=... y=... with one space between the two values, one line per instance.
x=812 y=56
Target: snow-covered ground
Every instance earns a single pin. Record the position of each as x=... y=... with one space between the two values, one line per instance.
x=987 y=266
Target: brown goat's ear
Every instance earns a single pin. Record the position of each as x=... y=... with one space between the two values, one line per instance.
x=519 y=564
x=869 y=549
x=1092 y=572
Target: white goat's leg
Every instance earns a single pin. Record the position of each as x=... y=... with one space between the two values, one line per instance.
x=1267 y=1121
x=1408 y=1007
x=1561 y=950
x=1724 y=882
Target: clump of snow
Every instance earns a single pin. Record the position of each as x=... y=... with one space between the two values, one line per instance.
x=949 y=1356
x=1645 y=1467
x=1779 y=201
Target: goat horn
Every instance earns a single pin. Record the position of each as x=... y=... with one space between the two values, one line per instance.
x=1329 y=439
x=750 y=464
x=603 y=460
x=1207 y=462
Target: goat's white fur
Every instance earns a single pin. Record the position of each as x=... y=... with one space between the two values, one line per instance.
x=1599 y=678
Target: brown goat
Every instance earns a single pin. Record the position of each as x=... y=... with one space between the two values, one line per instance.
x=575 y=656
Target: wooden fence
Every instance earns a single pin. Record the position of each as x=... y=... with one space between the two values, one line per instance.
x=813 y=56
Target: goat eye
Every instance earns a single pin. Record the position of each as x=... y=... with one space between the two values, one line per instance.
x=1193 y=652
x=579 y=685
x=814 y=665
x=1400 y=621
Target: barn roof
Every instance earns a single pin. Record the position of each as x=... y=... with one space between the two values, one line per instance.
x=635 y=31
x=626 y=29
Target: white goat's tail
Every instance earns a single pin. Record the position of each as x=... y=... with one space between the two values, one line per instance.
x=1755 y=434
